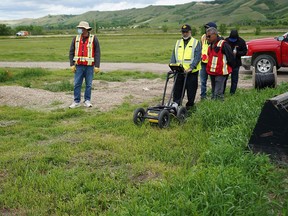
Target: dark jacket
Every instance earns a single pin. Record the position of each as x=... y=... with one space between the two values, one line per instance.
x=235 y=41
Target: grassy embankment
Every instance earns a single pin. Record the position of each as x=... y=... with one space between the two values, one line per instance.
x=81 y=162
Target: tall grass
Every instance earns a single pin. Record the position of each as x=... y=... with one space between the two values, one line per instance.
x=78 y=162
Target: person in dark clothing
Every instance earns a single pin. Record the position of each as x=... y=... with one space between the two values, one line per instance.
x=220 y=62
x=238 y=45
x=187 y=52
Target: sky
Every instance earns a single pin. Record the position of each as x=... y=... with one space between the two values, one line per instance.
x=18 y=9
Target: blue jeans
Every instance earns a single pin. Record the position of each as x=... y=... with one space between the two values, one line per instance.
x=82 y=72
x=203 y=79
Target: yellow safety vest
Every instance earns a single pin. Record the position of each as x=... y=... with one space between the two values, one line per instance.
x=205 y=46
x=185 y=56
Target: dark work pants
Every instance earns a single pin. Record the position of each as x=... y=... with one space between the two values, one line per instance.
x=191 y=87
x=218 y=84
x=234 y=80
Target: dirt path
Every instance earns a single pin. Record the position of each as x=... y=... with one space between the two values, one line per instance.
x=104 y=66
x=105 y=95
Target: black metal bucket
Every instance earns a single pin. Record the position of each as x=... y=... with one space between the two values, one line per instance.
x=270 y=134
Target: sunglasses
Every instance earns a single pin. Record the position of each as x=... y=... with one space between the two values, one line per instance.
x=208 y=36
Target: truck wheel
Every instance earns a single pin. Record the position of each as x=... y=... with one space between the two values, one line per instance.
x=264 y=64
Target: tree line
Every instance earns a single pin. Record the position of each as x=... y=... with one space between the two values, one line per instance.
x=39 y=30
x=7 y=30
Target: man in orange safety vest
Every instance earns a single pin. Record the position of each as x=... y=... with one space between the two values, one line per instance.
x=84 y=58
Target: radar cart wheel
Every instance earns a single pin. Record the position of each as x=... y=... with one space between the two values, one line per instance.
x=164 y=119
x=138 y=116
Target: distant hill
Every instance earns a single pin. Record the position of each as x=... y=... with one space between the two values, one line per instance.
x=229 y=12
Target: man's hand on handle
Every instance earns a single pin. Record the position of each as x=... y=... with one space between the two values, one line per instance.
x=188 y=70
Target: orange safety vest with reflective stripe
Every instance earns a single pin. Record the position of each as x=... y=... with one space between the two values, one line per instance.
x=84 y=51
x=217 y=62
x=205 y=46
x=185 y=56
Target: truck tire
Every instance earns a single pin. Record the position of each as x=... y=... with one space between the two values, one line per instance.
x=264 y=64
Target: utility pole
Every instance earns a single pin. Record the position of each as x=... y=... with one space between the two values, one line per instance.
x=95 y=30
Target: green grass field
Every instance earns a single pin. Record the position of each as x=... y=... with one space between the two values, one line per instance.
x=114 y=48
x=74 y=162
x=86 y=162
x=140 y=47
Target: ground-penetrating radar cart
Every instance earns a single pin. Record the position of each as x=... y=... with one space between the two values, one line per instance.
x=161 y=114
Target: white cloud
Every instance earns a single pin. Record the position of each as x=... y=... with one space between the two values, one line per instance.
x=18 y=9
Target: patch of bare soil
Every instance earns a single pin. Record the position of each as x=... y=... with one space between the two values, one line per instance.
x=105 y=95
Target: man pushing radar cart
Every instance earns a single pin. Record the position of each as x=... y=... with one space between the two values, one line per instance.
x=161 y=114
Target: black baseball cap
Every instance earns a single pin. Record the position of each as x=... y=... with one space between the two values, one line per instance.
x=210 y=24
x=185 y=28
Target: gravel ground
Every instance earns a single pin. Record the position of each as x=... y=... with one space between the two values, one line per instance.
x=104 y=66
x=105 y=95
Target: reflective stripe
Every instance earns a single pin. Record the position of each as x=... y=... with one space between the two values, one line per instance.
x=77 y=42
x=214 y=63
x=82 y=59
x=203 y=39
x=225 y=66
x=219 y=44
x=179 y=61
x=89 y=48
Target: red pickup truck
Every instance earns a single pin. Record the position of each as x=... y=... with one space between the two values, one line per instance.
x=265 y=53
